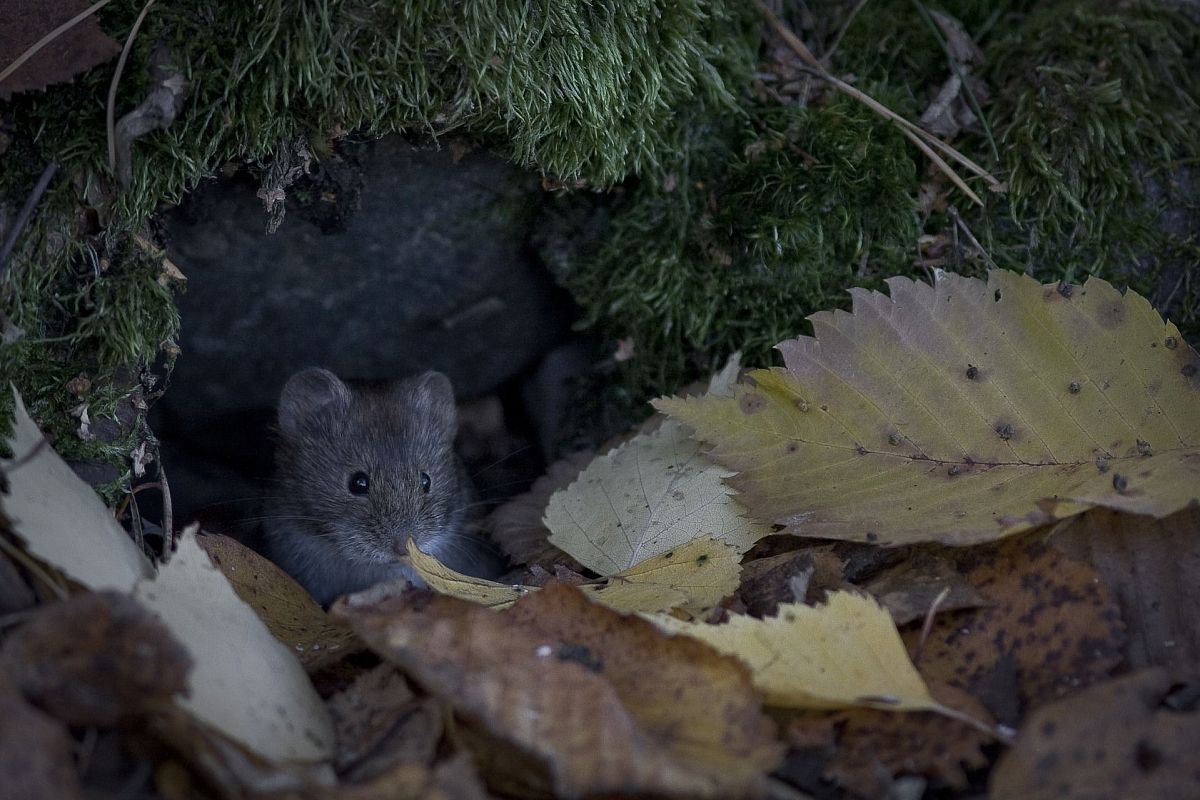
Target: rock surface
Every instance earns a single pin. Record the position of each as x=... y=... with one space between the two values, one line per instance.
x=390 y=260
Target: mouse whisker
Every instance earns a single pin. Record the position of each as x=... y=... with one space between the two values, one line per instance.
x=501 y=460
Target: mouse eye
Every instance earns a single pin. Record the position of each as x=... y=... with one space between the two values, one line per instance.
x=359 y=483
x=425 y=482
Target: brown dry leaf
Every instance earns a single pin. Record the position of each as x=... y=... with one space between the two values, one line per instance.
x=962 y=412
x=36 y=753
x=224 y=764
x=453 y=779
x=844 y=653
x=863 y=748
x=1151 y=566
x=288 y=611
x=1052 y=627
x=563 y=696
x=380 y=723
x=122 y=663
x=693 y=578
x=794 y=577
x=909 y=590
x=517 y=527
x=1111 y=742
x=75 y=51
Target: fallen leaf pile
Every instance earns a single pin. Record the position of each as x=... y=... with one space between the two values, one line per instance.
x=951 y=549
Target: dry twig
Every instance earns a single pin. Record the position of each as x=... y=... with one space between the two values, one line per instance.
x=51 y=36
x=927 y=141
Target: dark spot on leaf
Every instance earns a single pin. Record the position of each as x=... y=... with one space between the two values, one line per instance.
x=1170 y=343
x=802 y=404
x=580 y=655
x=702 y=560
x=1065 y=289
x=752 y=403
x=862 y=451
x=1112 y=315
x=790 y=447
x=894 y=439
x=668 y=554
x=972 y=372
x=954 y=470
x=997 y=295
x=1102 y=463
x=1119 y=482
x=1147 y=757
x=1143 y=447
x=1074 y=387
x=872 y=536
x=1189 y=370
x=1005 y=430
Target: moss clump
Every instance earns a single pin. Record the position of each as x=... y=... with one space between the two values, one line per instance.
x=577 y=90
x=1091 y=103
x=756 y=227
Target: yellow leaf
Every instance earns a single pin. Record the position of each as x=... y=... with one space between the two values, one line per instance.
x=845 y=653
x=647 y=497
x=964 y=411
x=693 y=577
x=444 y=580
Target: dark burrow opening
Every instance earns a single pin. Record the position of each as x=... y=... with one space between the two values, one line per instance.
x=391 y=258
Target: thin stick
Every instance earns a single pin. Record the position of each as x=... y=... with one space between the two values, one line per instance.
x=958 y=221
x=941 y=164
x=837 y=40
x=110 y=116
x=928 y=626
x=167 y=506
x=807 y=57
x=27 y=210
x=51 y=36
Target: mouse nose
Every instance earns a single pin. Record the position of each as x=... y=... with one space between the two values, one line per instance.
x=400 y=545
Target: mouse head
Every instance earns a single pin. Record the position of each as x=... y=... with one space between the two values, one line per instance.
x=369 y=467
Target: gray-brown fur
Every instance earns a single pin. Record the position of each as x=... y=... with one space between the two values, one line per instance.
x=334 y=541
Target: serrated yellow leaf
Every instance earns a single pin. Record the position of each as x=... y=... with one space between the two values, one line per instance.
x=693 y=577
x=844 y=653
x=964 y=411
x=650 y=496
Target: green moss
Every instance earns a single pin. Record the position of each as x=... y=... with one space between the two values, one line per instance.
x=755 y=228
x=1094 y=105
x=576 y=90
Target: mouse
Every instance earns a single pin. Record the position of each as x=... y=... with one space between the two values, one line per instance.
x=362 y=468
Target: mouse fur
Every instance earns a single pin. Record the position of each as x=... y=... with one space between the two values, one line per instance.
x=360 y=468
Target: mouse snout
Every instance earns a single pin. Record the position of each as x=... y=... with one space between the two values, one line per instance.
x=400 y=545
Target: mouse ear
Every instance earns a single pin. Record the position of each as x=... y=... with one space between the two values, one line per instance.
x=308 y=393
x=434 y=395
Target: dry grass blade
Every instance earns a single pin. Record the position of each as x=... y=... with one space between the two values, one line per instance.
x=51 y=36
x=941 y=164
x=110 y=118
x=913 y=131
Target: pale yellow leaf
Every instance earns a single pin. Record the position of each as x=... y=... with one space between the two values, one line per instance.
x=60 y=518
x=844 y=653
x=963 y=411
x=647 y=497
x=693 y=577
x=244 y=683
x=444 y=580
